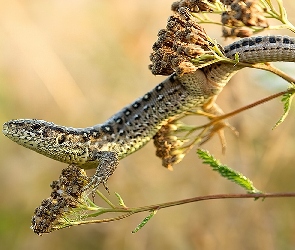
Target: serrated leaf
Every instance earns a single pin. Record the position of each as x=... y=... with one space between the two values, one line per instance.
x=121 y=201
x=144 y=221
x=227 y=172
x=287 y=101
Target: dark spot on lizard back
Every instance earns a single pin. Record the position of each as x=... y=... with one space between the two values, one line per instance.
x=251 y=42
x=232 y=47
x=245 y=43
x=107 y=129
x=119 y=120
x=272 y=39
x=159 y=87
x=136 y=105
x=147 y=97
x=127 y=112
x=258 y=39
x=172 y=78
x=286 y=40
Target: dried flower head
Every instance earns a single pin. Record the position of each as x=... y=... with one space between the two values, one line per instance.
x=243 y=13
x=168 y=145
x=66 y=195
x=181 y=41
x=193 y=5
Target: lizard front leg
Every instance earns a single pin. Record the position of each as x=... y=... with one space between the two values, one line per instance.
x=108 y=162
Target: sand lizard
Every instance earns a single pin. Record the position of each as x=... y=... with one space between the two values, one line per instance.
x=103 y=145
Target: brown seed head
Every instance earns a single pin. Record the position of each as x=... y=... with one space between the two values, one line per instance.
x=243 y=13
x=193 y=5
x=66 y=195
x=168 y=145
x=182 y=40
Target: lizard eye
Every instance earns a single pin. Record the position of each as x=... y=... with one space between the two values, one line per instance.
x=60 y=139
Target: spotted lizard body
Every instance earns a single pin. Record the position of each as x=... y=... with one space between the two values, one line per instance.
x=103 y=145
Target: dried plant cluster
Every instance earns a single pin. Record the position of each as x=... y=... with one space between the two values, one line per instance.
x=182 y=40
x=236 y=15
x=193 y=5
x=242 y=13
x=65 y=196
x=168 y=145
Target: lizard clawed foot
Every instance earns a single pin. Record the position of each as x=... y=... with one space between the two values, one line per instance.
x=108 y=162
x=93 y=184
x=218 y=128
x=217 y=124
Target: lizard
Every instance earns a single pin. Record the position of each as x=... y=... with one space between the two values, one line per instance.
x=102 y=146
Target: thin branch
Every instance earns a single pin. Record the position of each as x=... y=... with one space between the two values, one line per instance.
x=211 y=197
x=269 y=67
x=130 y=211
x=237 y=111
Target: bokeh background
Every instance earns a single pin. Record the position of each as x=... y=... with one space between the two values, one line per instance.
x=76 y=62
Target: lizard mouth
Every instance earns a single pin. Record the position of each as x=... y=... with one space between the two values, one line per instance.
x=22 y=131
x=11 y=129
x=5 y=129
x=21 y=128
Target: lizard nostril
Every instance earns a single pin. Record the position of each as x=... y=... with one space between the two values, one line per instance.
x=36 y=126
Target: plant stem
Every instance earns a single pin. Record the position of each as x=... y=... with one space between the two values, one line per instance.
x=268 y=67
x=130 y=211
x=275 y=70
x=100 y=194
x=237 y=111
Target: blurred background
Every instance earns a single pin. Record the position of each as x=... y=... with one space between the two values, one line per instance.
x=75 y=63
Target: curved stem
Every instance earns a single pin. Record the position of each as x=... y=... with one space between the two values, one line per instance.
x=270 y=68
x=275 y=70
x=131 y=211
x=212 y=197
x=237 y=111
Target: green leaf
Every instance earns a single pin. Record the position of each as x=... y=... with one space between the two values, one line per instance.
x=227 y=172
x=121 y=201
x=287 y=101
x=145 y=220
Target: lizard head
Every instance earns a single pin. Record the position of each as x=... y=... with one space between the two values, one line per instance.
x=60 y=143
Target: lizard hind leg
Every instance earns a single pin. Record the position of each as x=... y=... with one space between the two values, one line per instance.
x=108 y=162
x=217 y=124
